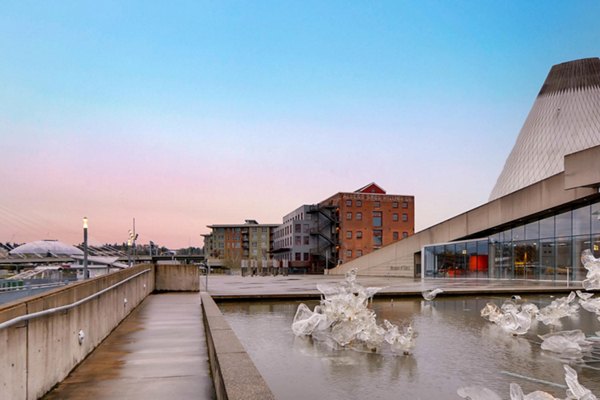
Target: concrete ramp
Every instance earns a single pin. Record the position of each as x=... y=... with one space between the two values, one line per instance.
x=157 y=352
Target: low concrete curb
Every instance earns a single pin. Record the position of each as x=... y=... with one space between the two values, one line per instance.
x=234 y=374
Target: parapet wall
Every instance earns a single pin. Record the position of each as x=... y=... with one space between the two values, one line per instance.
x=177 y=278
x=38 y=353
x=234 y=374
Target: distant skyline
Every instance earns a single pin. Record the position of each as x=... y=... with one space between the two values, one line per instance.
x=185 y=114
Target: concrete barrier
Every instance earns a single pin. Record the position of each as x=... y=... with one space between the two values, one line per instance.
x=235 y=376
x=38 y=353
x=177 y=278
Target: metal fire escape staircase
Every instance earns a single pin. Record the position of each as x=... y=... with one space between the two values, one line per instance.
x=326 y=229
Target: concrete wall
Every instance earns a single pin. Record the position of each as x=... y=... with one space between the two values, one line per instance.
x=38 y=354
x=177 y=278
x=583 y=168
x=234 y=374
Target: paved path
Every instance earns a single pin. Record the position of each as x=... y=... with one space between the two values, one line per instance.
x=298 y=286
x=157 y=352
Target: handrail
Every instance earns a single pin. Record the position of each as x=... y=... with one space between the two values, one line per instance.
x=32 y=287
x=49 y=311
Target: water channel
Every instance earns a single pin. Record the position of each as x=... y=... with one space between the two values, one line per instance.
x=455 y=347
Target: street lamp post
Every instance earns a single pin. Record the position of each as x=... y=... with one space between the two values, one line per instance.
x=207 y=273
x=85 y=248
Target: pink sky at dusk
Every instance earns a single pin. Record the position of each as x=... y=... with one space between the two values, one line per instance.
x=210 y=113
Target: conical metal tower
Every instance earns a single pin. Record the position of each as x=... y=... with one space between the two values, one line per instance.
x=565 y=118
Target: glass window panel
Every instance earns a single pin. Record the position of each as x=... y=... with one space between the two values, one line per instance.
x=596 y=218
x=428 y=257
x=377 y=218
x=472 y=248
x=580 y=243
x=481 y=262
x=547 y=227
x=563 y=258
x=518 y=233
x=377 y=237
x=532 y=230
x=495 y=237
x=596 y=245
x=461 y=258
x=563 y=224
x=581 y=221
x=506 y=236
x=526 y=258
x=547 y=256
x=507 y=267
x=482 y=247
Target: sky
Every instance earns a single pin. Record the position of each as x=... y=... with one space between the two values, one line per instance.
x=183 y=114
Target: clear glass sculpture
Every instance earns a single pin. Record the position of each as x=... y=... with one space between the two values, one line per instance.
x=344 y=320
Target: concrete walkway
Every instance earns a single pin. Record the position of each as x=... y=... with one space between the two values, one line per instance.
x=305 y=286
x=158 y=352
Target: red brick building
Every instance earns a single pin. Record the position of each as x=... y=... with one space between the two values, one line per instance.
x=369 y=219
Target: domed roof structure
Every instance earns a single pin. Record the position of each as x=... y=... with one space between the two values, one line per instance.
x=564 y=119
x=44 y=247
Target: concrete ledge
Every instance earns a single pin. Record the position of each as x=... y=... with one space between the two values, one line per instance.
x=177 y=278
x=234 y=374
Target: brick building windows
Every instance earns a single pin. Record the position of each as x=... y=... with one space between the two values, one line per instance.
x=377 y=237
x=395 y=217
x=359 y=216
x=404 y=217
x=377 y=220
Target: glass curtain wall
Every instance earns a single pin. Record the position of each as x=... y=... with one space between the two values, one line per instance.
x=546 y=249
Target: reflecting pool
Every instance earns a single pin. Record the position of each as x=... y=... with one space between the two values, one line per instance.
x=455 y=347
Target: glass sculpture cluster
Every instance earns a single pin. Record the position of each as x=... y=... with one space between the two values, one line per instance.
x=517 y=319
x=575 y=391
x=343 y=319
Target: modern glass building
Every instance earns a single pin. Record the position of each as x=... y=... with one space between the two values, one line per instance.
x=547 y=248
x=544 y=209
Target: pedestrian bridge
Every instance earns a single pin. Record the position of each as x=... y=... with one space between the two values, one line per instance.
x=133 y=334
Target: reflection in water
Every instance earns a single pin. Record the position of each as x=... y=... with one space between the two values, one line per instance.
x=455 y=347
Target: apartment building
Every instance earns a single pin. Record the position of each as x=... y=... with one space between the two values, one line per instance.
x=227 y=245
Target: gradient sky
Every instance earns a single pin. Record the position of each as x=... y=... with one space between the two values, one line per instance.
x=187 y=113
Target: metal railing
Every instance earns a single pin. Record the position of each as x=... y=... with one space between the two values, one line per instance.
x=27 y=286
x=66 y=307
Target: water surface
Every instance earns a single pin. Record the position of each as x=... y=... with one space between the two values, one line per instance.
x=455 y=347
